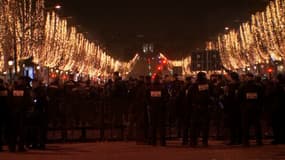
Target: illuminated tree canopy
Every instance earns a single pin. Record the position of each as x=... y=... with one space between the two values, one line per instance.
x=258 y=41
x=27 y=30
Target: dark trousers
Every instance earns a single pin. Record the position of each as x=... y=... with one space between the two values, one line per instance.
x=185 y=134
x=277 y=127
x=185 y=128
x=157 y=124
x=162 y=135
x=141 y=127
x=199 y=124
x=37 y=130
x=1 y=133
x=234 y=126
x=16 y=131
x=251 y=117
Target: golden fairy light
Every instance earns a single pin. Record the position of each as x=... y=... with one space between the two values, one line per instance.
x=28 y=31
x=184 y=63
x=21 y=24
x=256 y=41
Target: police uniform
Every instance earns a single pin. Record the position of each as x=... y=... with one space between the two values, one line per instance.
x=278 y=111
x=140 y=112
x=67 y=109
x=40 y=116
x=216 y=109
x=232 y=113
x=54 y=100
x=185 y=113
x=157 y=95
x=199 y=95
x=251 y=95
x=282 y=111
x=176 y=104
x=3 y=112
x=118 y=105
x=20 y=101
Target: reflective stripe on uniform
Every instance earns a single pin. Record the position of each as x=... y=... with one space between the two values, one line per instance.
x=3 y=93
x=251 y=95
x=18 y=93
x=53 y=86
x=203 y=87
x=155 y=93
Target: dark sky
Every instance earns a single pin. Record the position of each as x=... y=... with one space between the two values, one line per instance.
x=175 y=27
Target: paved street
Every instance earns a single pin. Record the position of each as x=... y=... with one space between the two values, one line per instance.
x=128 y=150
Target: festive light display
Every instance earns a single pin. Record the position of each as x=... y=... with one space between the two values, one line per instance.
x=184 y=63
x=259 y=41
x=28 y=30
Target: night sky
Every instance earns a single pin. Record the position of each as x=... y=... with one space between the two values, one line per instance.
x=175 y=27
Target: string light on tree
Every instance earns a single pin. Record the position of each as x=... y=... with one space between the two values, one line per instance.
x=256 y=41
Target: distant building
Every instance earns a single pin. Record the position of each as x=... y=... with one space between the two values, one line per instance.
x=151 y=63
x=148 y=48
x=206 y=60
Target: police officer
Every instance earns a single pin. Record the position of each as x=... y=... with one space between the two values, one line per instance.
x=68 y=108
x=20 y=102
x=119 y=105
x=185 y=111
x=251 y=96
x=54 y=98
x=216 y=109
x=157 y=97
x=3 y=111
x=176 y=105
x=278 y=111
x=132 y=86
x=147 y=118
x=232 y=115
x=39 y=97
x=199 y=96
x=140 y=111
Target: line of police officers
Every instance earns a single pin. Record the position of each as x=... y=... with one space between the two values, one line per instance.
x=237 y=103
x=21 y=106
x=153 y=105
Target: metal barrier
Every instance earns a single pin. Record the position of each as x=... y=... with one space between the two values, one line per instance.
x=84 y=118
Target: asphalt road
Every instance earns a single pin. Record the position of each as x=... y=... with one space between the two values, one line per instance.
x=130 y=151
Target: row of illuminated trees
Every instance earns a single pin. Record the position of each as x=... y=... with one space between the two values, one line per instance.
x=258 y=41
x=28 y=29
x=183 y=63
x=257 y=45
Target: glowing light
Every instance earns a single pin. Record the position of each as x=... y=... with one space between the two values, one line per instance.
x=10 y=62
x=269 y=70
x=184 y=63
x=57 y=6
x=50 y=41
x=256 y=41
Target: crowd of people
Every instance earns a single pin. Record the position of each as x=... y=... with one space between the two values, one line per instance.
x=147 y=106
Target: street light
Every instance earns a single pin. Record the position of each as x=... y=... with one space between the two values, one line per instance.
x=38 y=71
x=10 y=64
x=57 y=6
